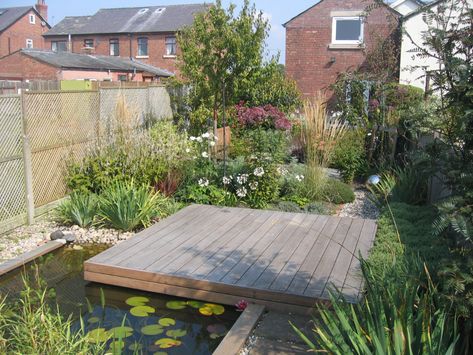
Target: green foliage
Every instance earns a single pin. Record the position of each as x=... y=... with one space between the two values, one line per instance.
x=148 y=157
x=455 y=218
x=80 y=209
x=32 y=327
x=261 y=141
x=207 y=195
x=338 y=192
x=394 y=318
x=350 y=155
x=128 y=206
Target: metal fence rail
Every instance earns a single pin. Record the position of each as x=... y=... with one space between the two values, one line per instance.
x=41 y=131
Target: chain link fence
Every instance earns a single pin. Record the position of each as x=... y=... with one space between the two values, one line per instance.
x=41 y=131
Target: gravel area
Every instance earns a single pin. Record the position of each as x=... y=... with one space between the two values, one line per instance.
x=362 y=207
x=27 y=238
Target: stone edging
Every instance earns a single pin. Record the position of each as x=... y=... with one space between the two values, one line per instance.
x=236 y=338
x=29 y=256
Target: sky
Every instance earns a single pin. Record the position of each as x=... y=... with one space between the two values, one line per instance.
x=276 y=11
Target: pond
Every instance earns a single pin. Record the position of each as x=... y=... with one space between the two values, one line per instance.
x=130 y=321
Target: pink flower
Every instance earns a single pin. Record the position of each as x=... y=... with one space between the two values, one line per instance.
x=241 y=305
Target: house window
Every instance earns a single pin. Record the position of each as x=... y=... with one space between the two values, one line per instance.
x=88 y=43
x=114 y=47
x=347 y=30
x=171 y=45
x=32 y=19
x=143 y=47
x=122 y=77
x=29 y=43
x=59 y=46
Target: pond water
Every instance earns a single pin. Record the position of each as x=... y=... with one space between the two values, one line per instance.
x=134 y=322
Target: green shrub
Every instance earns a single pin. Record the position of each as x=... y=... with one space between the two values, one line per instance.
x=81 y=209
x=350 y=155
x=206 y=194
x=127 y=206
x=261 y=141
x=394 y=318
x=338 y=192
x=289 y=206
x=319 y=208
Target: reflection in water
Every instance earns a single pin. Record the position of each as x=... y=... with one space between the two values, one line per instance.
x=130 y=321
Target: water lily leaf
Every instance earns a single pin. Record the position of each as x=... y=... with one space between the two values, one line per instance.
x=142 y=311
x=121 y=332
x=166 y=343
x=99 y=335
x=176 y=304
x=116 y=347
x=166 y=322
x=152 y=329
x=135 y=347
x=195 y=304
x=93 y=320
x=210 y=309
x=137 y=301
x=176 y=333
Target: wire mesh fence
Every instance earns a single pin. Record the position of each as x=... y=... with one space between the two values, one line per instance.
x=60 y=127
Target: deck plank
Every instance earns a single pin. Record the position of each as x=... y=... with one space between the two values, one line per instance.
x=222 y=254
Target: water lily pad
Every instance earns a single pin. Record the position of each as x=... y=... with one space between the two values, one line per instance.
x=166 y=343
x=210 y=309
x=152 y=329
x=135 y=347
x=195 y=304
x=93 y=320
x=116 y=347
x=137 y=301
x=176 y=304
x=99 y=335
x=121 y=332
x=142 y=311
x=166 y=322
x=176 y=333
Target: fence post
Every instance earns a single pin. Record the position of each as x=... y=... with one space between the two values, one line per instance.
x=27 y=165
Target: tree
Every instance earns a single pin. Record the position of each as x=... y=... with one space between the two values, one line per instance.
x=222 y=50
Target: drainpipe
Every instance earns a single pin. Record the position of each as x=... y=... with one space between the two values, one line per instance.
x=131 y=46
x=69 y=43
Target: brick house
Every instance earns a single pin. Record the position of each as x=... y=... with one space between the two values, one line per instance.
x=40 y=64
x=147 y=34
x=23 y=27
x=332 y=37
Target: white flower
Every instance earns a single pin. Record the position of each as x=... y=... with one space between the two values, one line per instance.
x=212 y=143
x=242 y=179
x=259 y=172
x=241 y=192
x=188 y=150
x=192 y=138
x=299 y=177
x=206 y=135
x=226 y=180
x=216 y=138
x=203 y=182
x=254 y=185
x=199 y=139
x=282 y=171
x=205 y=155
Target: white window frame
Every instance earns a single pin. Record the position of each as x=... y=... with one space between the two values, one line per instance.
x=334 y=30
x=32 y=18
x=29 y=43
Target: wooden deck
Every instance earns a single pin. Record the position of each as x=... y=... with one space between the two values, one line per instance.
x=277 y=259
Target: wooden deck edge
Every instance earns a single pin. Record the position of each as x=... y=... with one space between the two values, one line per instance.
x=192 y=293
x=210 y=286
x=236 y=338
x=25 y=258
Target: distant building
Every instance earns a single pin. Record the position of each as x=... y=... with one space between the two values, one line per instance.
x=23 y=27
x=147 y=34
x=405 y=7
x=35 y=64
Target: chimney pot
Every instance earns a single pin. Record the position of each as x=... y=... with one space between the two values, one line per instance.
x=42 y=8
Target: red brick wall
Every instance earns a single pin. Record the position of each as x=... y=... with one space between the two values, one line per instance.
x=156 y=47
x=308 y=56
x=21 y=67
x=17 y=34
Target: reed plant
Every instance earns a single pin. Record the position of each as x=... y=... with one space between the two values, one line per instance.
x=319 y=135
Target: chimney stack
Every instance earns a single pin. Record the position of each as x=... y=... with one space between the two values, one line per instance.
x=42 y=8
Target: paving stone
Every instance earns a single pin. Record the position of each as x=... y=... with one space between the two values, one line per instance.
x=275 y=326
